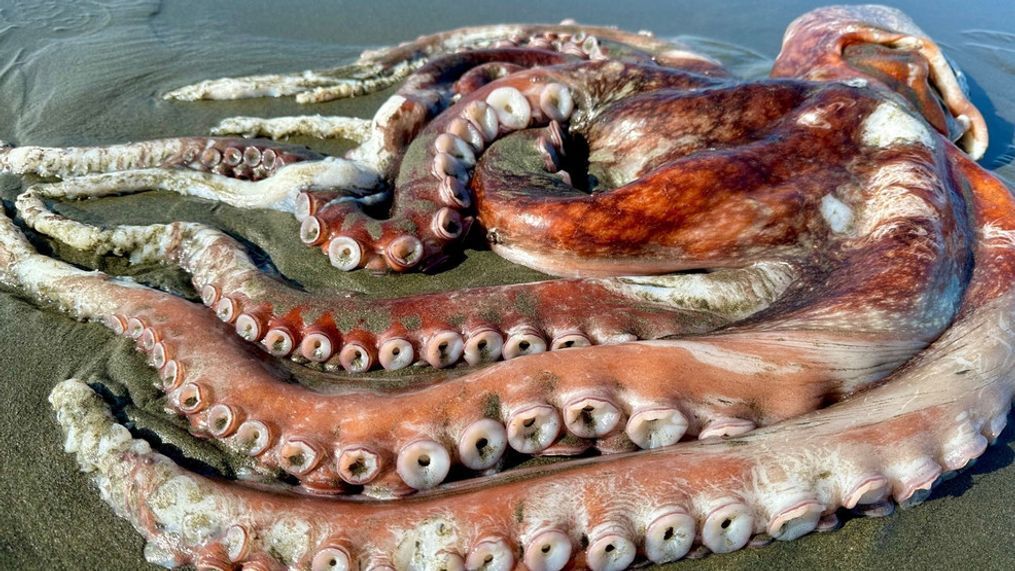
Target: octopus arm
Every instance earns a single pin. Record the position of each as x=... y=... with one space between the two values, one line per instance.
x=377 y=69
x=477 y=325
x=718 y=494
x=329 y=441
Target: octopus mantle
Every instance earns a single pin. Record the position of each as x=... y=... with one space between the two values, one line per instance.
x=772 y=300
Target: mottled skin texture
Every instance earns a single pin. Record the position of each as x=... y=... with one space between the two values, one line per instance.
x=836 y=335
x=840 y=41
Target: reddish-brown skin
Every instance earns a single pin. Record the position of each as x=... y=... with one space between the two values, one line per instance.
x=778 y=164
x=743 y=183
x=894 y=310
x=704 y=208
x=848 y=274
x=748 y=185
x=417 y=196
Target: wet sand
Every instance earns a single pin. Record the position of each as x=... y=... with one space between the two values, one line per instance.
x=88 y=72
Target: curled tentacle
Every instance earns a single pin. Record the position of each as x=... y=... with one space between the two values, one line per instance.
x=431 y=201
x=505 y=320
x=425 y=94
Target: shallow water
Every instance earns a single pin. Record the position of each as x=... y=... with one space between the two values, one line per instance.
x=85 y=71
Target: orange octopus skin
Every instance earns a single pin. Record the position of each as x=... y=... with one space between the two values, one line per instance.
x=203 y=367
x=859 y=348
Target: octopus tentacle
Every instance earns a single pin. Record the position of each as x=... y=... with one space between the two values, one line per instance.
x=360 y=78
x=318 y=126
x=233 y=158
x=518 y=319
x=578 y=233
x=557 y=314
x=280 y=191
x=720 y=492
x=378 y=69
x=396 y=123
x=825 y=280
x=426 y=93
x=430 y=209
x=196 y=385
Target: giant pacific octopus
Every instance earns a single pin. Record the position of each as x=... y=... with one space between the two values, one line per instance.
x=776 y=299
